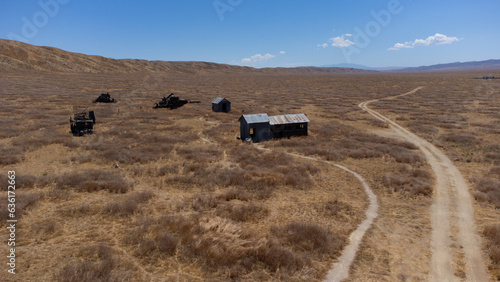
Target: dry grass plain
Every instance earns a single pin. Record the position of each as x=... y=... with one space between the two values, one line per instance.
x=189 y=202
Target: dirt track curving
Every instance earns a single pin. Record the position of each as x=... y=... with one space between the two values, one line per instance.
x=340 y=269
x=452 y=214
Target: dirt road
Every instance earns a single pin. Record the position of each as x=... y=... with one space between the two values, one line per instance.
x=455 y=242
x=340 y=269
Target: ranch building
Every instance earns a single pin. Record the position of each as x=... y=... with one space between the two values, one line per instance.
x=261 y=127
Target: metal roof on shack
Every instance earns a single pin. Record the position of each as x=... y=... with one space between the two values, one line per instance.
x=288 y=119
x=257 y=118
x=218 y=100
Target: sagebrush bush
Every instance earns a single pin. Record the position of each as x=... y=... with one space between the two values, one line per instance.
x=94 y=180
x=492 y=156
x=81 y=159
x=422 y=129
x=166 y=243
x=81 y=210
x=276 y=257
x=152 y=238
x=235 y=194
x=333 y=208
x=146 y=247
x=492 y=232
x=129 y=205
x=495 y=170
x=168 y=169
x=310 y=237
x=45 y=227
x=378 y=123
x=488 y=190
x=409 y=180
x=98 y=265
x=4 y=186
x=135 y=235
x=26 y=181
x=201 y=202
x=11 y=155
x=464 y=139
x=9 y=127
x=242 y=212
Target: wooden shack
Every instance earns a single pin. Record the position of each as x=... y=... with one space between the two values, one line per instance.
x=261 y=127
x=255 y=128
x=286 y=126
x=220 y=104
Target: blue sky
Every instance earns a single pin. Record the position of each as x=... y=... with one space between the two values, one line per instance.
x=263 y=33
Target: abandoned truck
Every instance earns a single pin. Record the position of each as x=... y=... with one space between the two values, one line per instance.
x=104 y=98
x=172 y=102
x=82 y=123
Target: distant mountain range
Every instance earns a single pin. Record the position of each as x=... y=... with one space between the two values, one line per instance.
x=362 y=67
x=346 y=65
x=458 y=66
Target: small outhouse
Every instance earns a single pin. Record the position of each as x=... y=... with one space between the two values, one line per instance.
x=220 y=104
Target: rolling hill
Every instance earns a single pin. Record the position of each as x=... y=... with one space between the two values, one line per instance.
x=18 y=56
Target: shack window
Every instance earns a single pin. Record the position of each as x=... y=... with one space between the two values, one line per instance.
x=252 y=131
x=299 y=126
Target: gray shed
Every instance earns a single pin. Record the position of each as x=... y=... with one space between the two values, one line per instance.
x=220 y=104
x=255 y=128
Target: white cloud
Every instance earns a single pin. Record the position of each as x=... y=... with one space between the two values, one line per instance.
x=398 y=46
x=257 y=58
x=282 y=52
x=341 y=41
x=436 y=39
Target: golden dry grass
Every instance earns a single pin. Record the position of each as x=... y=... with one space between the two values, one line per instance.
x=190 y=202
